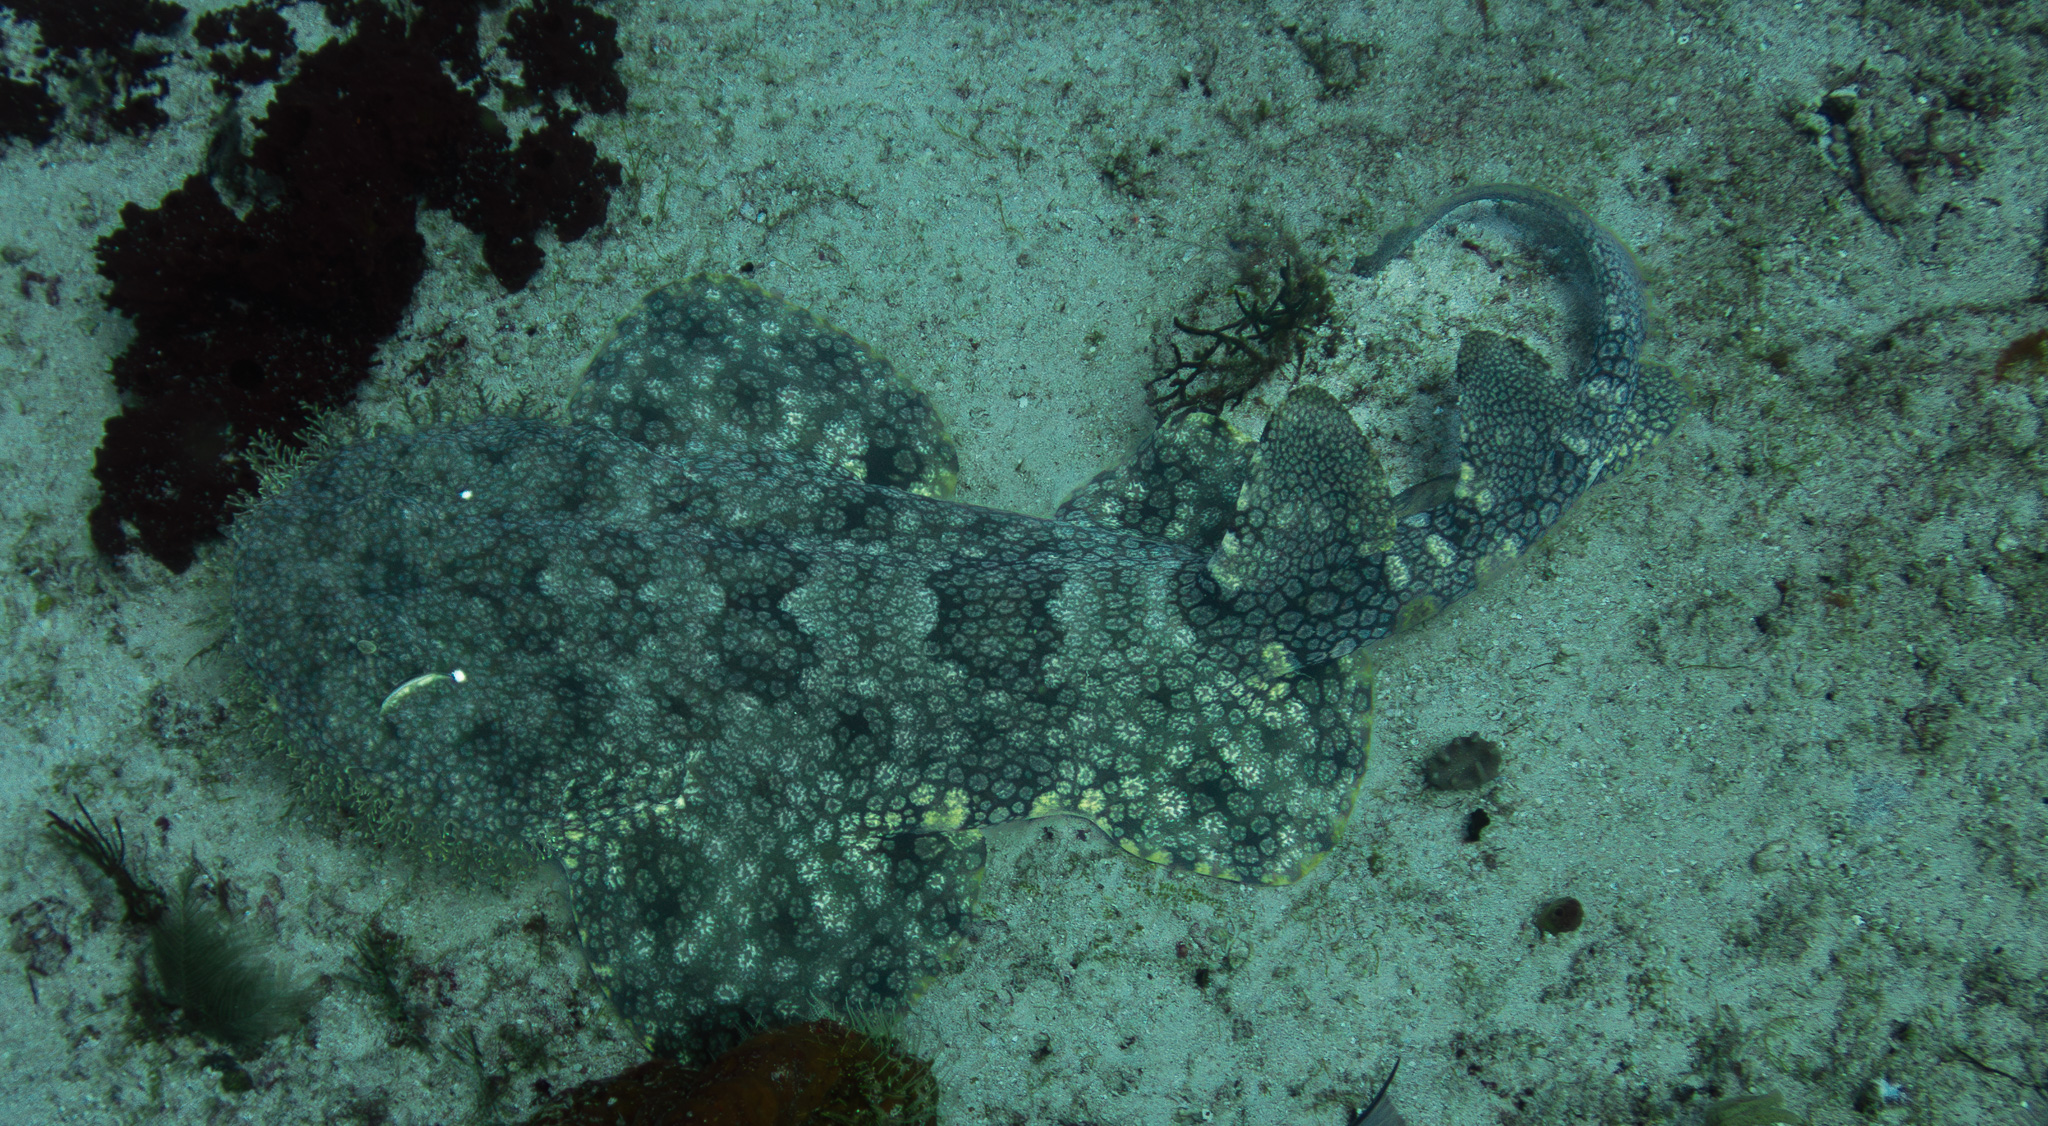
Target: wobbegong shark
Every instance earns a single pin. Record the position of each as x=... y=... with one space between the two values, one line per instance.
x=720 y=644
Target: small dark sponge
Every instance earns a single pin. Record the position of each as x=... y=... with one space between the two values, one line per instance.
x=1561 y=916
x=1464 y=763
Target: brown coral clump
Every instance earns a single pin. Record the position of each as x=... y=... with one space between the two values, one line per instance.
x=804 y=1075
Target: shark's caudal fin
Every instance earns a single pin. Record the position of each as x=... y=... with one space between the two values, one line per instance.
x=1318 y=559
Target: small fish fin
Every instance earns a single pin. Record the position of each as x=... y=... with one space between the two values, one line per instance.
x=1380 y=1111
x=719 y=366
x=1425 y=495
x=1316 y=497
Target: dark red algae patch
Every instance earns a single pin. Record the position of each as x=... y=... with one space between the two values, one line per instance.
x=89 y=47
x=249 y=45
x=254 y=323
x=27 y=111
x=587 y=75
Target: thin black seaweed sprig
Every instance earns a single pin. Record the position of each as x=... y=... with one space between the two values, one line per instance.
x=145 y=902
x=1231 y=359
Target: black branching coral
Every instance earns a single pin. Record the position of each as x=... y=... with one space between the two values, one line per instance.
x=143 y=902
x=720 y=644
x=261 y=289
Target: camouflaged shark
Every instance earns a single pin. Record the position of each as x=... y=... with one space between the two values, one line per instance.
x=720 y=645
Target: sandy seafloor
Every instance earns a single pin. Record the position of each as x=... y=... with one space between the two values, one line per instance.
x=1772 y=704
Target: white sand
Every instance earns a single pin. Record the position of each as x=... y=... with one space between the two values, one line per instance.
x=1769 y=703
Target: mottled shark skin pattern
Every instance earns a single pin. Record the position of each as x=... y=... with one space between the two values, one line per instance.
x=720 y=644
